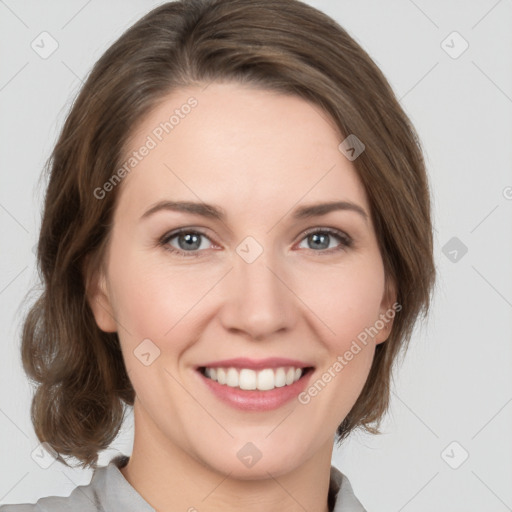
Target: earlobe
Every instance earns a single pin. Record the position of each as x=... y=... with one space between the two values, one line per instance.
x=383 y=334
x=99 y=300
x=388 y=310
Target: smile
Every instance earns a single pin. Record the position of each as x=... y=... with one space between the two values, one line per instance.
x=257 y=386
x=248 y=379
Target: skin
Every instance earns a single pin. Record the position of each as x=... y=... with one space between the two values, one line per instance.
x=258 y=155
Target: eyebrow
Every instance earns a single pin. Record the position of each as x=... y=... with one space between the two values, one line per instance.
x=215 y=212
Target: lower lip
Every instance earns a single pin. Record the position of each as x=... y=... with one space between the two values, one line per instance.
x=256 y=400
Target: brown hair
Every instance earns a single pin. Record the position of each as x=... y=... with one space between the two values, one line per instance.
x=82 y=386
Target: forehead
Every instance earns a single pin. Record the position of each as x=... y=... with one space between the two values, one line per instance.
x=243 y=148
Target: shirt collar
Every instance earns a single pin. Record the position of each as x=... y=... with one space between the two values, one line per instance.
x=341 y=497
x=118 y=493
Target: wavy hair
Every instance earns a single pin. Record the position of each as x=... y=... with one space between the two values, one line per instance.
x=81 y=384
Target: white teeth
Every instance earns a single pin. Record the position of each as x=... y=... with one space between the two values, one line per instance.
x=232 y=378
x=266 y=379
x=280 y=378
x=221 y=375
x=248 y=379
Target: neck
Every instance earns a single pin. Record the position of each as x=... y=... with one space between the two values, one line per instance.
x=169 y=478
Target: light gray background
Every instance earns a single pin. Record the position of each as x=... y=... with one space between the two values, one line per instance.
x=455 y=383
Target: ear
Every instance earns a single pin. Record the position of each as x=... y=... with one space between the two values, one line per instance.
x=98 y=296
x=388 y=308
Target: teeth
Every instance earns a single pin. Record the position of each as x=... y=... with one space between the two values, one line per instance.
x=280 y=378
x=221 y=374
x=265 y=379
x=232 y=378
x=248 y=379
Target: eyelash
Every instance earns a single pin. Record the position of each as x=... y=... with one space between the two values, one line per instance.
x=345 y=241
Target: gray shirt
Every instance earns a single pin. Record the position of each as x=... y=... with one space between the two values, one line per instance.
x=109 y=491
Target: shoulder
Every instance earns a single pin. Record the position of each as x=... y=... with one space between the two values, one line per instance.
x=73 y=502
x=84 y=498
x=18 y=508
x=107 y=490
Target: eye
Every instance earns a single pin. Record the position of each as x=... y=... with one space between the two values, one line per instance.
x=188 y=242
x=320 y=239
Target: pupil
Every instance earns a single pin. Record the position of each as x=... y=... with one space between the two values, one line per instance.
x=324 y=237
x=193 y=238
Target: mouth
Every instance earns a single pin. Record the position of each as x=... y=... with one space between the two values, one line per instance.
x=255 y=385
x=248 y=379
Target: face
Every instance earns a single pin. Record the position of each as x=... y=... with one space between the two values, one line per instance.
x=255 y=290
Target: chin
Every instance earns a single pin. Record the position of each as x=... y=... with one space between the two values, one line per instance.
x=248 y=462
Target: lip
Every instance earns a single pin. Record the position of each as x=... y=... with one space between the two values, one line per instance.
x=256 y=400
x=256 y=364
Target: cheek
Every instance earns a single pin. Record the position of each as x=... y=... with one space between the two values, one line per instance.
x=152 y=300
x=349 y=305
x=347 y=299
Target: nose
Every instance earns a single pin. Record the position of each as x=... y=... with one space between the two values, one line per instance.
x=259 y=298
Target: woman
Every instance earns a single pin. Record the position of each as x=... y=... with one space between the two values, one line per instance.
x=237 y=242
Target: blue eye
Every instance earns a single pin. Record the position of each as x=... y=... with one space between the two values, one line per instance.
x=320 y=239
x=190 y=242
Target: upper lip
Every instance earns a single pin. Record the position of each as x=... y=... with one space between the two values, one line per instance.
x=256 y=364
